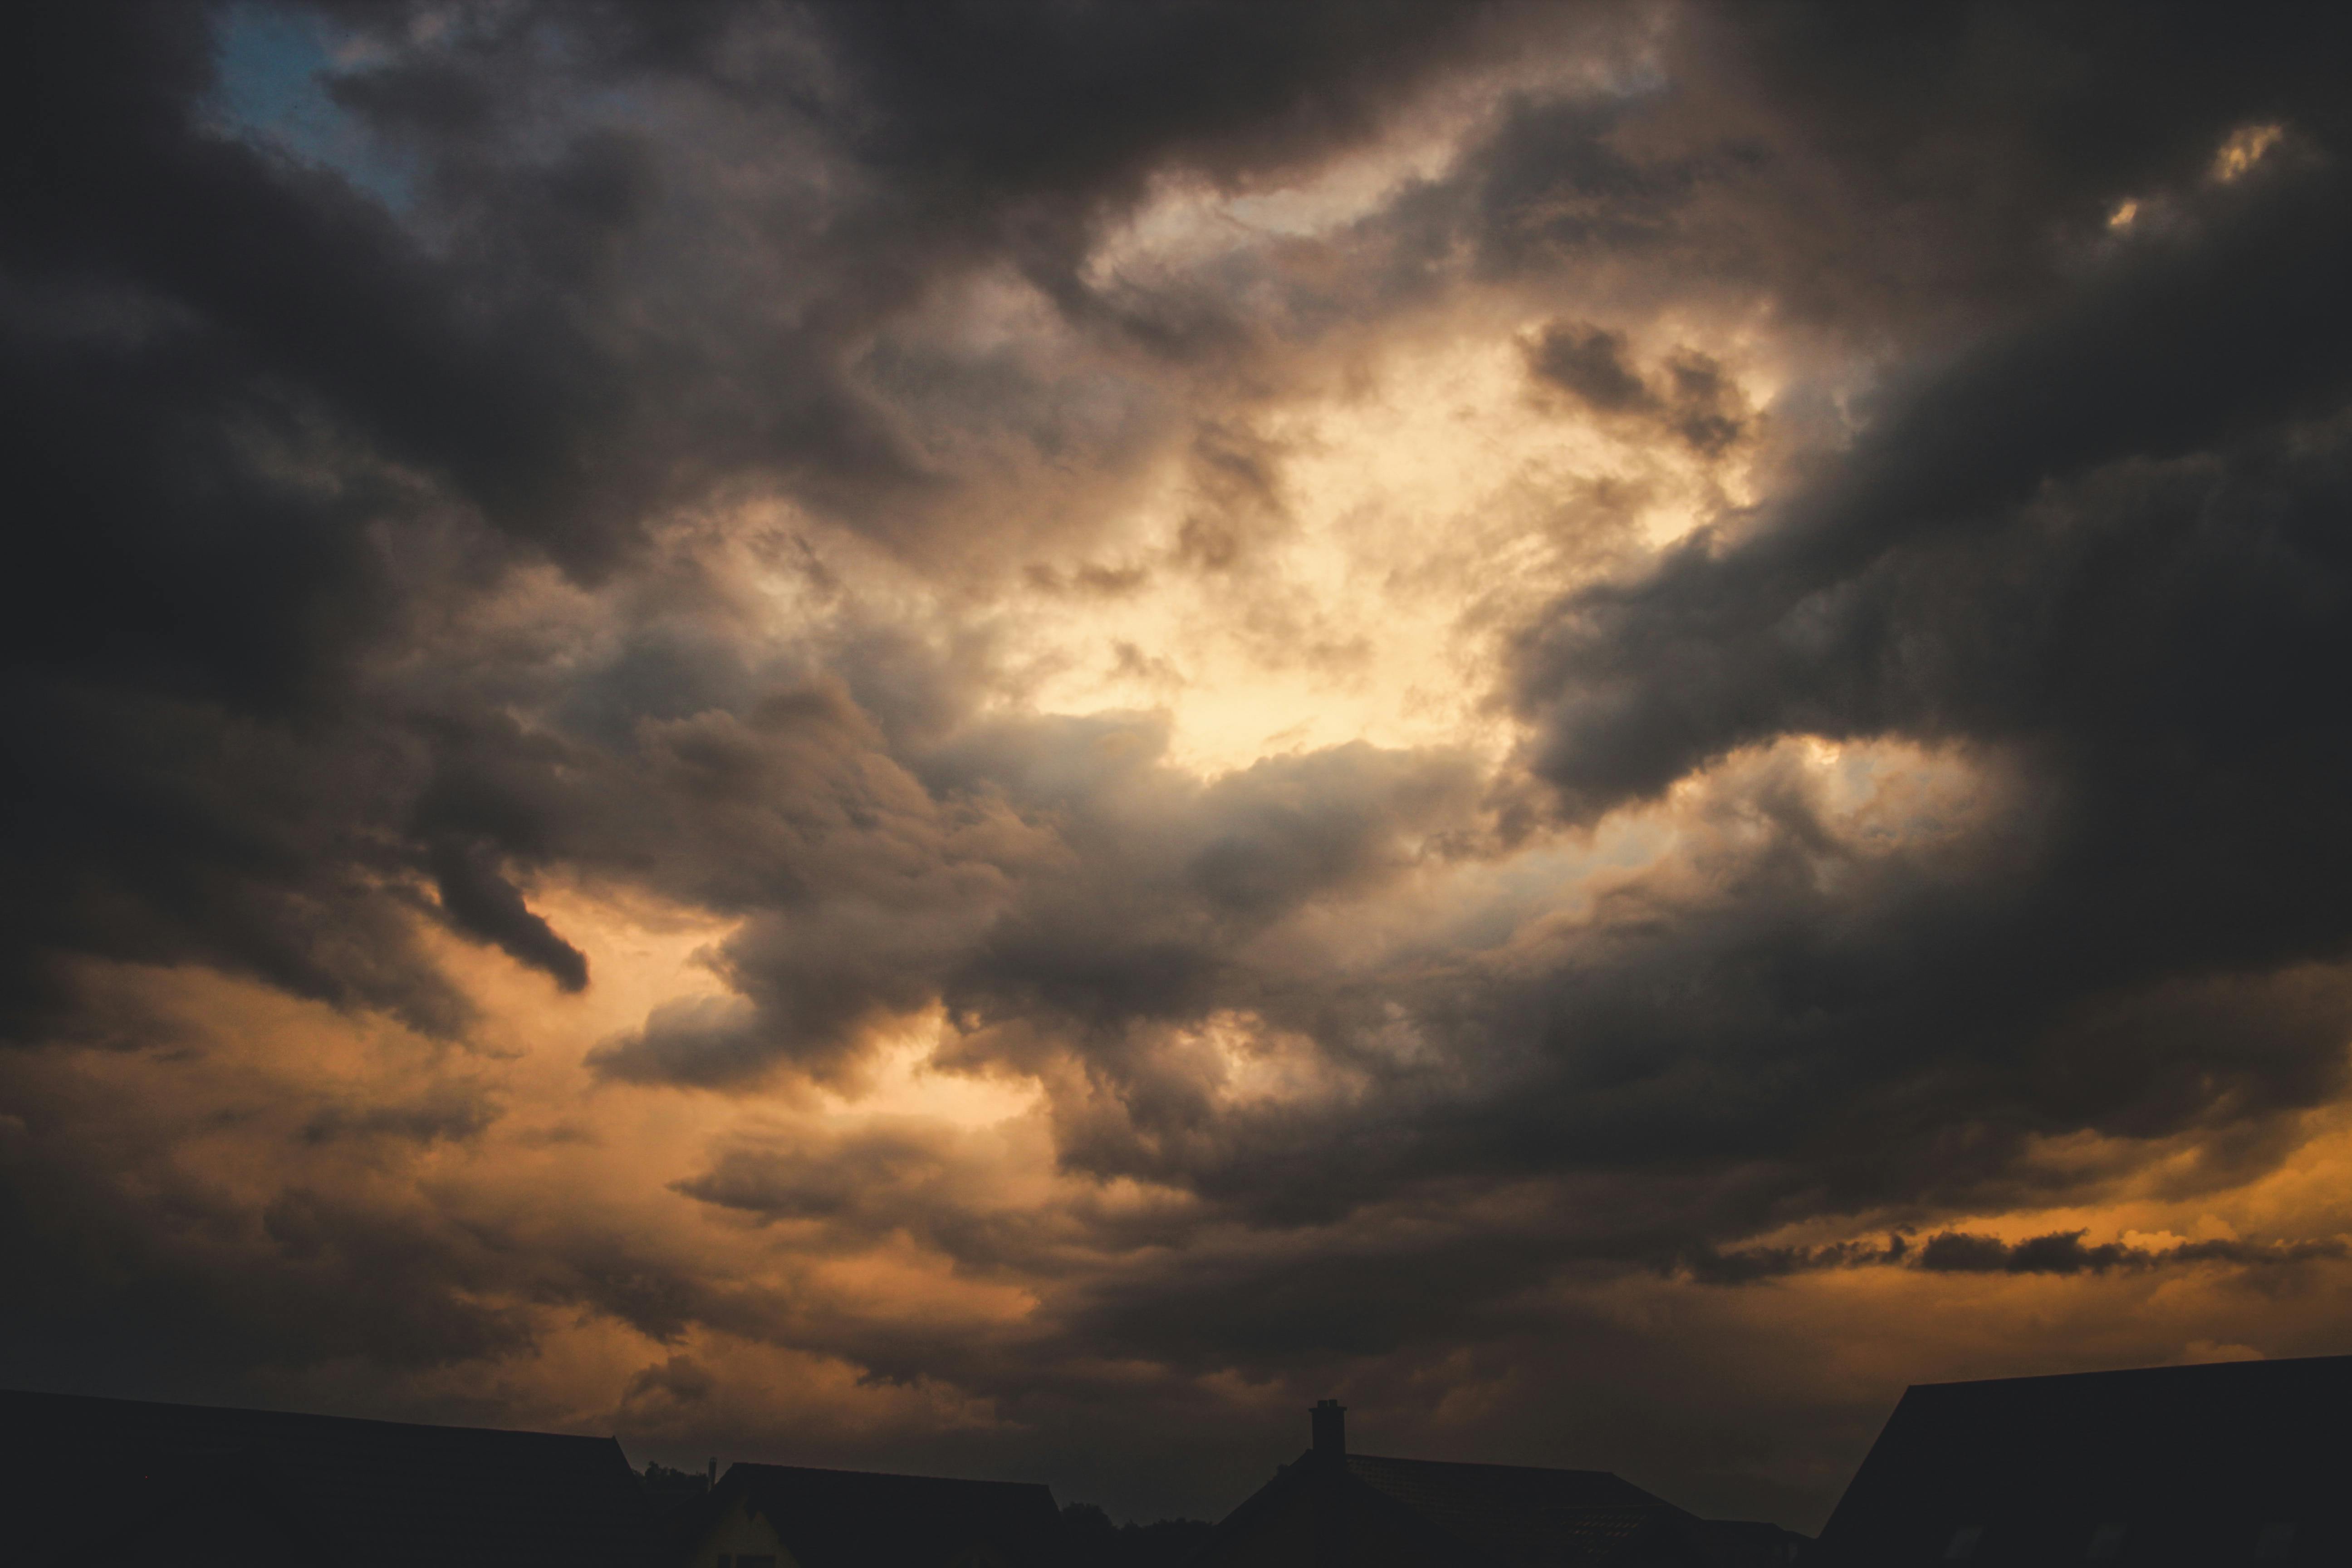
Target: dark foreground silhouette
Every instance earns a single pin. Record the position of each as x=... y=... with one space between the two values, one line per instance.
x=1094 y=1542
x=1332 y=1508
x=2241 y=1463
x=2202 y=1466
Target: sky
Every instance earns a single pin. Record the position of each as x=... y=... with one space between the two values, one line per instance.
x=996 y=737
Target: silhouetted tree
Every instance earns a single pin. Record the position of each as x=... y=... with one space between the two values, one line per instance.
x=1096 y=1542
x=669 y=1488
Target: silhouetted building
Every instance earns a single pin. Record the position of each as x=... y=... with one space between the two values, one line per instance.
x=108 y=1482
x=1331 y=1508
x=2242 y=1462
x=782 y=1516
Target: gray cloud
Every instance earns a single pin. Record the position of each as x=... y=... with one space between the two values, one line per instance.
x=2061 y=1252
x=1589 y=364
x=630 y=496
x=480 y=901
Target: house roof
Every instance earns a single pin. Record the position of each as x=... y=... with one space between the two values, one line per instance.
x=80 y=1472
x=860 y=1519
x=2194 y=1463
x=1306 y=1491
x=1520 y=1514
x=1488 y=1515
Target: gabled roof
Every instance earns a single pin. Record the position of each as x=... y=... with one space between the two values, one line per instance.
x=1315 y=1512
x=1520 y=1514
x=2194 y=1463
x=83 y=1472
x=860 y=1519
x=1367 y=1508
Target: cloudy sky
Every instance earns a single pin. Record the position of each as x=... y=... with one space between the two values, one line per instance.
x=996 y=737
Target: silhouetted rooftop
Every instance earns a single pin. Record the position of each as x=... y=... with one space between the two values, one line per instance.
x=1331 y=1508
x=859 y=1519
x=2233 y=1463
x=104 y=1479
x=1518 y=1514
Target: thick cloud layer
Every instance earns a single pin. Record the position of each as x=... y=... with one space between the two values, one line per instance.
x=998 y=737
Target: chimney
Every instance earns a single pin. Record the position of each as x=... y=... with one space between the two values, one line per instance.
x=1330 y=1419
x=714 y=1474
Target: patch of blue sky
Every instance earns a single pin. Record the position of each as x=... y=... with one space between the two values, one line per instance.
x=274 y=67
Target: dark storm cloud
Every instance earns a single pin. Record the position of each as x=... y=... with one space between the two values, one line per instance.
x=216 y=369
x=1091 y=97
x=2061 y=1252
x=480 y=901
x=247 y=403
x=2094 y=548
x=138 y=1272
x=265 y=433
x=2107 y=543
x=1589 y=364
x=827 y=1182
x=1130 y=910
x=1748 y=1265
x=1968 y=149
x=2056 y=510
x=140 y=1277
x=442 y=1115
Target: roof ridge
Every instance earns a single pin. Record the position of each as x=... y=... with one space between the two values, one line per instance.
x=2301 y=1362
x=296 y=1415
